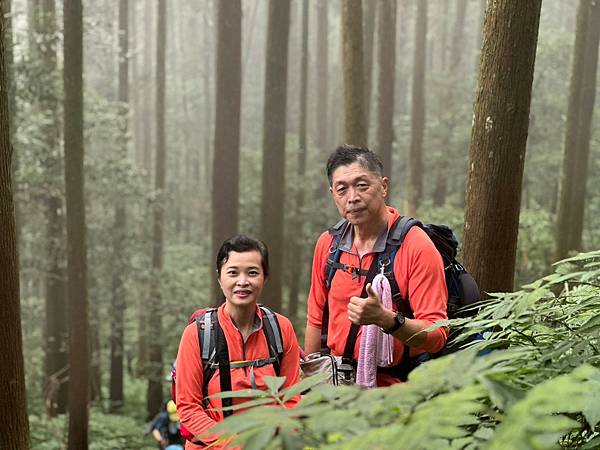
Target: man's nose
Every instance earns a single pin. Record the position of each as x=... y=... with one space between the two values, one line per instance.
x=352 y=194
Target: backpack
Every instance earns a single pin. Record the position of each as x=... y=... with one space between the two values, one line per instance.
x=215 y=354
x=462 y=288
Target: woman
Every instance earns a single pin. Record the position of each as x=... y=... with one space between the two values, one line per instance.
x=242 y=269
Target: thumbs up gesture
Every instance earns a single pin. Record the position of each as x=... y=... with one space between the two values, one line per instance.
x=366 y=311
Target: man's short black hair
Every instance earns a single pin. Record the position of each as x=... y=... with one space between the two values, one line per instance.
x=240 y=244
x=347 y=154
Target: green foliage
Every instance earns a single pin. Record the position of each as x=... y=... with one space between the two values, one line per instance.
x=107 y=431
x=531 y=391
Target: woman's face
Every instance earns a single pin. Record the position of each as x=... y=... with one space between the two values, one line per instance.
x=242 y=278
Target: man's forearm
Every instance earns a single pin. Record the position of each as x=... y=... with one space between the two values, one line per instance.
x=312 y=339
x=411 y=333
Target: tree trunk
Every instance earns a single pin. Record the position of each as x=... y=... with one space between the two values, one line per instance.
x=6 y=11
x=273 y=161
x=448 y=104
x=76 y=231
x=387 y=71
x=226 y=156
x=322 y=113
x=155 y=361
x=355 y=129
x=55 y=358
x=120 y=224
x=498 y=140
x=582 y=95
x=369 y=15
x=414 y=191
x=297 y=236
x=14 y=430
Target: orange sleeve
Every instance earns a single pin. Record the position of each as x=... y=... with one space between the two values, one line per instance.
x=318 y=294
x=290 y=363
x=427 y=291
x=189 y=386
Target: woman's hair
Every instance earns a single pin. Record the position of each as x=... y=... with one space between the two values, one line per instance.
x=240 y=244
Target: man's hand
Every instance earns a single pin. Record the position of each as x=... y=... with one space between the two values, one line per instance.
x=367 y=311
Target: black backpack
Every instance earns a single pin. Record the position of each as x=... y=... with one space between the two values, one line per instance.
x=215 y=354
x=462 y=288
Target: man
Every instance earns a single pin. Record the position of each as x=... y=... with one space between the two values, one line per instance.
x=166 y=428
x=359 y=190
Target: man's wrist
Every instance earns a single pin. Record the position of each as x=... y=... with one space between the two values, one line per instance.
x=387 y=320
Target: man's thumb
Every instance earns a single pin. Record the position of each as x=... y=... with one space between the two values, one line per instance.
x=370 y=291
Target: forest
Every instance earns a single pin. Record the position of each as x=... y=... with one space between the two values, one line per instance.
x=137 y=135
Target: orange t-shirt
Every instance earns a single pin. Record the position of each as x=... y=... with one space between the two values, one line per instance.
x=419 y=272
x=190 y=379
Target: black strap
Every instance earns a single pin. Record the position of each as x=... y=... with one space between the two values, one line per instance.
x=272 y=341
x=224 y=369
x=348 y=356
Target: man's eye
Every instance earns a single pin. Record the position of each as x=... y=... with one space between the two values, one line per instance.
x=340 y=190
x=362 y=186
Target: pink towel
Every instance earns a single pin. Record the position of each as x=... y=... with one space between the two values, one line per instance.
x=376 y=347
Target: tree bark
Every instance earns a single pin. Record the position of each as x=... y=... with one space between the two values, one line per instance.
x=297 y=239
x=55 y=332
x=414 y=191
x=226 y=155
x=120 y=223
x=498 y=141
x=155 y=360
x=76 y=228
x=322 y=113
x=355 y=129
x=14 y=429
x=387 y=78
x=273 y=157
x=369 y=15
x=448 y=103
x=569 y=224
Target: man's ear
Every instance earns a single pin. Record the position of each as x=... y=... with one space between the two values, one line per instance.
x=385 y=183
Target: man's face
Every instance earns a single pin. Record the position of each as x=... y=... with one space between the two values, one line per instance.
x=358 y=193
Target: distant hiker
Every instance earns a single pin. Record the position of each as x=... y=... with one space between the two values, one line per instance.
x=165 y=428
x=233 y=347
x=349 y=255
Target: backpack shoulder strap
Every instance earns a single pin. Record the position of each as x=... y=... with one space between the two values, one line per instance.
x=214 y=353
x=273 y=335
x=332 y=265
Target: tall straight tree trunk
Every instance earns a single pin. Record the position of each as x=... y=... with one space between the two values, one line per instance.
x=414 y=190
x=155 y=361
x=569 y=225
x=498 y=141
x=355 y=128
x=76 y=231
x=322 y=113
x=298 y=233
x=55 y=358
x=6 y=11
x=369 y=16
x=148 y=102
x=448 y=103
x=226 y=155
x=14 y=429
x=273 y=161
x=148 y=106
x=387 y=77
x=119 y=229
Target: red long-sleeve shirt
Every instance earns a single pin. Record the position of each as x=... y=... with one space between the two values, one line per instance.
x=190 y=408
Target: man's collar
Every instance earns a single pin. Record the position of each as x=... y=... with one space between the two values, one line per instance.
x=348 y=239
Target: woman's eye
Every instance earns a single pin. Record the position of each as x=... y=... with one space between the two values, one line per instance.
x=253 y=273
